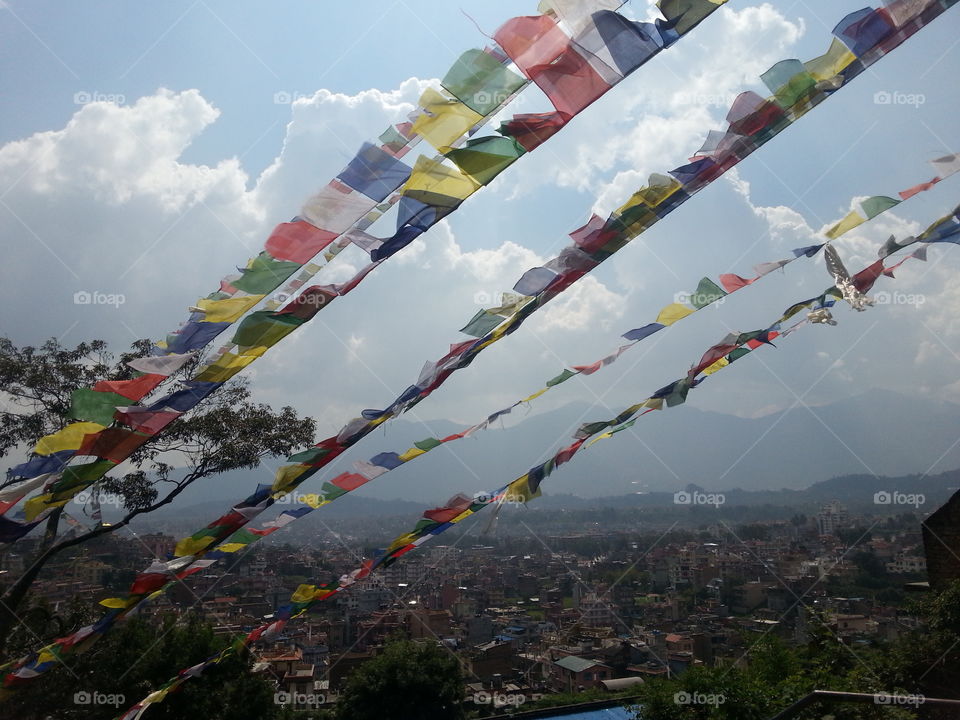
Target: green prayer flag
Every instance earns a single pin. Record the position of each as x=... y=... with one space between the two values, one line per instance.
x=424 y=524
x=264 y=274
x=744 y=338
x=588 y=429
x=485 y=158
x=877 y=204
x=427 y=445
x=789 y=82
x=77 y=477
x=686 y=13
x=562 y=377
x=481 y=323
x=242 y=536
x=679 y=394
x=707 y=292
x=93 y=406
x=265 y=328
x=480 y=81
x=306 y=457
x=393 y=138
x=625 y=426
x=332 y=492
x=737 y=354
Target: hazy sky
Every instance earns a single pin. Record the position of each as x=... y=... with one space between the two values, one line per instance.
x=148 y=148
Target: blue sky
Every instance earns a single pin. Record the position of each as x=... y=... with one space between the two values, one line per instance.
x=160 y=193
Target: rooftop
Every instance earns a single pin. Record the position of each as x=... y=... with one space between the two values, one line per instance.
x=576 y=664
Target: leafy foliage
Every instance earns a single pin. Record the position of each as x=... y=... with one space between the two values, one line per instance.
x=227 y=432
x=924 y=662
x=407 y=681
x=136 y=659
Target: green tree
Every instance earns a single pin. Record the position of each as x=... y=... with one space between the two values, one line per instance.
x=137 y=659
x=227 y=432
x=408 y=681
x=926 y=661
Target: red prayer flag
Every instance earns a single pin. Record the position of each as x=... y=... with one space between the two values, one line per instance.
x=134 y=389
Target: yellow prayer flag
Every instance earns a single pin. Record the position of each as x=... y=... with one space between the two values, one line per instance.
x=831 y=63
x=229 y=309
x=314 y=500
x=401 y=541
x=495 y=335
x=598 y=438
x=45 y=655
x=232 y=547
x=70 y=438
x=34 y=506
x=535 y=395
x=286 y=476
x=432 y=176
x=519 y=490
x=229 y=364
x=659 y=188
x=304 y=593
x=117 y=603
x=411 y=454
x=509 y=304
x=673 y=312
x=156 y=697
x=191 y=546
x=445 y=119
x=718 y=365
x=852 y=220
x=462 y=516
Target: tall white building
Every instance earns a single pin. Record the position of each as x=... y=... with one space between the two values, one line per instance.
x=832 y=517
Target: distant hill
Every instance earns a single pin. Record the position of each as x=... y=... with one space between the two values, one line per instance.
x=800 y=456
x=880 y=433
x=350 y=517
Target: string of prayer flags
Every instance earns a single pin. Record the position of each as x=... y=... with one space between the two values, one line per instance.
x=437 y=520
x=728 y=350
x=429 y=193
x=661 y=192
x=369 y=177
x=676 y=390
x=662 y=195
x=857 y=32
x=673 y=394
